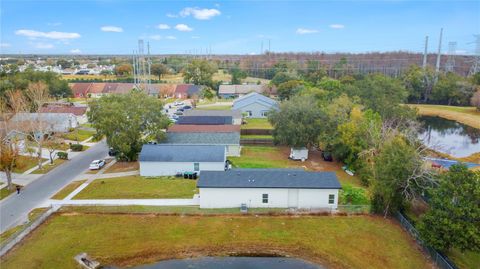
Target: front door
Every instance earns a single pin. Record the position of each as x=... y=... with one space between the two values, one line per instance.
x=292 y=198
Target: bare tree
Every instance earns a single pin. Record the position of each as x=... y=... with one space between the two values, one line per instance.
x=52 y=144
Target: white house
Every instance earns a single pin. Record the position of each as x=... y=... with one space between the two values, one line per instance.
x=255 y=105
x=50 y=122
x=171 y=159
x=268 y=188
x=230 y=140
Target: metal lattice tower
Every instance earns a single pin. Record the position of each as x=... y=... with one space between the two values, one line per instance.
x=425 y=53
x=141 y=67
x=439 y=53
x=450 y=64
x=475 y=68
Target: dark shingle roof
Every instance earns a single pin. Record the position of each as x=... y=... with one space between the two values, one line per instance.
x=182 y=153
x=192 y=128
x=231 y=138
x=205 y=120
x=268 y=178
x=236 y=114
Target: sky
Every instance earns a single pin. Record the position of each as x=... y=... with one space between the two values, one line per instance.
x=235 y=27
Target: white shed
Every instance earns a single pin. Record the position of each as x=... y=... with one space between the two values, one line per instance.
x=299 y=154
x=171 y=159
x=268 y=188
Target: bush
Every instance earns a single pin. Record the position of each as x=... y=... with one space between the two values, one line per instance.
x=62 y=155
x=353 y=196
x=76 y=147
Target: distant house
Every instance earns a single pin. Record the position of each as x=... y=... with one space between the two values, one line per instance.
x=235 y=114
x=234 y=91
x=169 y=160
x=187 y=128
x=194 y=90
x=80 y=112
x=124 y=88
x=80 y=90
x=255 y=105
x=51 y=122
x=205 y=120
x=230 y=140
x=110 y=88
x=96 y=90
x=166 y=90
x=268 y=188
x=181 y=91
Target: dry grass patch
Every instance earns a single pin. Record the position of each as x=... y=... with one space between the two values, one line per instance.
x=48 y=167
x=123 y=167
x=466 y=115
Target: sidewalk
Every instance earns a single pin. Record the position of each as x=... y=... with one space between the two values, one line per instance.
x=126 y=202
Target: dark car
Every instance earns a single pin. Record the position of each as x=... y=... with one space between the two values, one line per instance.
x=327 y=156
x=187 y=108
x=112 y=152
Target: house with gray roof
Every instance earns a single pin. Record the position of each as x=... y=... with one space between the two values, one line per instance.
x=269 y=188
x=235 y=114
x=205 y=120
x=173 y=159
x=49 y=122
x=230 y=140
x=238 y=90
x=254 y=105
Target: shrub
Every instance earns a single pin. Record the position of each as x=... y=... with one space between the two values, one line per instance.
x=62 y=155
x=353 y=196
x=76 y=147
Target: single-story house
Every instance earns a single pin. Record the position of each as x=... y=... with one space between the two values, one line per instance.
x=189 y=128
x=166 y=90
x=234 y=91
x=235 y=114
x=80 y=90
x=50 y=122
x=194 y=90
x=181 y=91
x=255 y=105
x=96 y=90
x=268 y=188
x=205 y=120
x=169 y=160
x=230 y=140
x=80 y=112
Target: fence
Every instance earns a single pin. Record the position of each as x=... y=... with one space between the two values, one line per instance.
x=440 y=260
x=258 y=141
x=25 y=230
x=256 y=132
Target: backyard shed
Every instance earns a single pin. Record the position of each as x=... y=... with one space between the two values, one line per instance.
x=299 y=154
x=268 y=188
x=169 y=160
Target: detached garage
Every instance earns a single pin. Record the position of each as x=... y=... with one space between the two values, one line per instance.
x=268 y=188
x=169 y=160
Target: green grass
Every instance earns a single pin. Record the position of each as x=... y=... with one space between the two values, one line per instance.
x=48 y=167
x=82 y=135
x=33 y=215
x=25 y=163
x=257 y=124
x=467 y=260
x=256 y=137
x=127 y=240
x=5 y=192
x=68 y=189
x=137 y=187
x=214 y=108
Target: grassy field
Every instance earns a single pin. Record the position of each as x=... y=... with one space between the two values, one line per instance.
x=47 y=168
x=467 y=260
x=4 y=192
x=257 y=124
x=79 y=134
x=25 y=163
x=222 y=107
x=122 y=167
x=68 y=189
x=137 y=187
x=466 y=115
x=33 y=215
x=128 y=240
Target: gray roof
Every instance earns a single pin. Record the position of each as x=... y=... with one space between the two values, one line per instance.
x=268 y=178
x=231 y=138
x=254 y=98
x=205 y=120
x=236 y=114
x=182 y=153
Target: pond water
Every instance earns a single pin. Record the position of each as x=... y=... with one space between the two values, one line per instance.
x=451 y=137
x=233 y=263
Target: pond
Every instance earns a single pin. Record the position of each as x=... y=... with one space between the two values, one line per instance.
x=233 y=263
x=451 y=137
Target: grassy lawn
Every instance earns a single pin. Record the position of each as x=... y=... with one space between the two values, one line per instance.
x=336 y=242
x=256 y=137
x=46 y=168
x=467 y=260
x=222 y=107
x=4 y=192
x=137 y=187
x=80 y=134
x=466 y=115
x=68 y=189
x=122 y=167
x=25 y=163
x=33 y=215
x=257 y=124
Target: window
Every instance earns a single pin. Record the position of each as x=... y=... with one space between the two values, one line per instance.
x=331 y=199
x=264 y=113
x=196 y=166
x=265 y=198
x=249 y=113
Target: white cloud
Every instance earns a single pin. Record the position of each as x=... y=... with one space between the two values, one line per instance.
x=303 y=31
x=5 y=45
x=75 y=51
x=170 y=15
x=337 y=26
x=200 y=13
x=162 y=26
x=183 y=28
x=114 y=29
x=43 y=46
x=155 y=37
x=52 y=35
x=171 y=37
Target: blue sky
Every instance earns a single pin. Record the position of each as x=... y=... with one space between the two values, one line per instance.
x=113 y=27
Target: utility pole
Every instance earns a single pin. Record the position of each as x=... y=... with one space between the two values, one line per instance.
x=450 y=64
x=425 y=53
x=475 y=68
x=437 y=66
x=261 y=48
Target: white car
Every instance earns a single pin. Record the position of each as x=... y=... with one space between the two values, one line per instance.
x=97 y=164
x=177 y=103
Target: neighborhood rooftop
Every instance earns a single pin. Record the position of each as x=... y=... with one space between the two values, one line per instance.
x=232 y=138
x=177 y=128
x=197 y=112
x=268 y=178
x=182 y=153
x=205 y=120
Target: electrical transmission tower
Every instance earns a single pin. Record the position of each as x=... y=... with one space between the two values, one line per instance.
x=476 y=59
x=450 y=64
x=141 y=67
x=425 y=54
x=439 y=53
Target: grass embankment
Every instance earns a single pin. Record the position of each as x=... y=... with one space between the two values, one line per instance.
x=68 y=189
x=256 y=137
x=48 y=167
x=5 y=192
x=466 y=115
x=137 y=187
x=33 y=215
x=122 y=167
x=128 y=240
x=78 y=135
x=257 y=124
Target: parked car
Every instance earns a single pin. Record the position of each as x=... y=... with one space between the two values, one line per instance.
x=112 y=152
x=97 y=164
x=177 y=103
x=180 y=109
x=327 y=156
x=187 y=108
x=178 y=113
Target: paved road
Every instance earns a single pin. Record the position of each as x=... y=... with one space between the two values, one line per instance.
x=14 y=210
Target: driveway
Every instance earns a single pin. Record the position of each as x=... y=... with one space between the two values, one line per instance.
x=14 y=210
